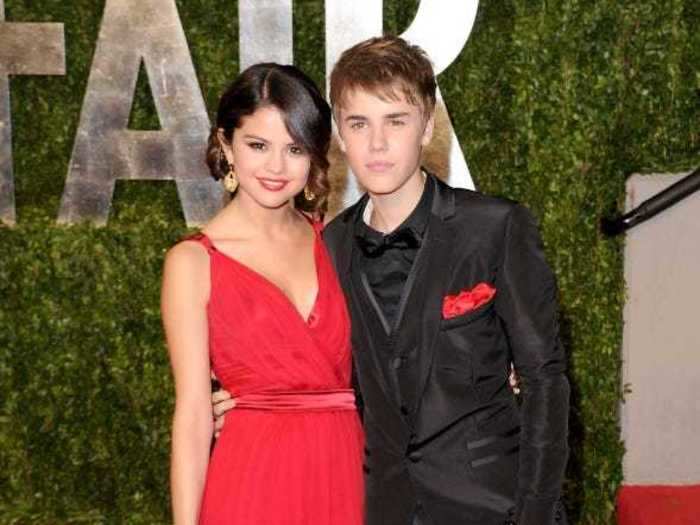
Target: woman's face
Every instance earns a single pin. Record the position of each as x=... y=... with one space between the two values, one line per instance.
x=271 y=168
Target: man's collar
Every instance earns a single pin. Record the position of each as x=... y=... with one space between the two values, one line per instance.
x=443 y=205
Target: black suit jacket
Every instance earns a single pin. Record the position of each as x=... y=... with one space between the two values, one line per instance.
x=468 y=453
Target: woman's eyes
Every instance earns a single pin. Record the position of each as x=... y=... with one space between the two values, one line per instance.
x=261 y=146
x=258 y=146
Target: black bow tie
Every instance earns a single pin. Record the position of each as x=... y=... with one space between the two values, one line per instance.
x=401 y=239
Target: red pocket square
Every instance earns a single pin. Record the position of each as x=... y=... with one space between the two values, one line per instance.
x=467 y=300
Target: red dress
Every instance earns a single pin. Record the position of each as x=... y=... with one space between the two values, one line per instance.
x=290 y=453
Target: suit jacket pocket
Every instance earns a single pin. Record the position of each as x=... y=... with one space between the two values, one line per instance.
x=468 y=317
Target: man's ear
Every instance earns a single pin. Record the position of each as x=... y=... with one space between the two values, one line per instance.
x=428 y=130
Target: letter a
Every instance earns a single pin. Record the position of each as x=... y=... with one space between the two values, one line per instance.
x=133 y=31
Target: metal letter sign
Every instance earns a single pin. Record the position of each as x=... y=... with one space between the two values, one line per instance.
x=149 y=31
x=441 y=28
x=265 y=32
x=105 y=150
x=25 y=49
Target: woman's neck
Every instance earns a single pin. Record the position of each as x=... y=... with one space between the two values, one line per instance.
x=259 y=220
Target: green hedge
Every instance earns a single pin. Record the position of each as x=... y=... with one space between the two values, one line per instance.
x=554 y=103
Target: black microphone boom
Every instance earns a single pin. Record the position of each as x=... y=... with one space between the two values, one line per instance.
x=653 y=205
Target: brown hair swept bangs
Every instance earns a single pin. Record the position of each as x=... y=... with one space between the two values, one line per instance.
x=381 y=65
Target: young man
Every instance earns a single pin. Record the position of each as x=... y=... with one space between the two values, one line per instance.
x=445 y=288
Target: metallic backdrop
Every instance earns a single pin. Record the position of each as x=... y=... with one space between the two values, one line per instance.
x=25 y=49
x=135 y=32
x=149 y=32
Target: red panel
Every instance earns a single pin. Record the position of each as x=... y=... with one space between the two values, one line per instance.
x=658 y=505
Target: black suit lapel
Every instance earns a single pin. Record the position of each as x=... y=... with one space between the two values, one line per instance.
x=375 y=353
x=407 y=296
x=343 y=256
x=435 y=272
x=373 y=300
x=365 y=350
x=341 y=250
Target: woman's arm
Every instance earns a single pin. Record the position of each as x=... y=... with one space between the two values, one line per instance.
x=184 y=299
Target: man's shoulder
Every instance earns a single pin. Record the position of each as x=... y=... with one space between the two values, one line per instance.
x=465 y=197
x=341 y=222
x=470 y=205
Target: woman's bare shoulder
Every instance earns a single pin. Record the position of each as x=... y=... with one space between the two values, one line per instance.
x=188 y=255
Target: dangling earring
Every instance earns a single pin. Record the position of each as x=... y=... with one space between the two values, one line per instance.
x=231 y=181
x=308 y=194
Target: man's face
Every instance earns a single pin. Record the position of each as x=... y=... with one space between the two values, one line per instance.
x=382 y=139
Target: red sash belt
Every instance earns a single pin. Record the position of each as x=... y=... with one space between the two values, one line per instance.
x=304 y=401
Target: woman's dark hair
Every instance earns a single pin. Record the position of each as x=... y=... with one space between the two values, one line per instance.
x=306 y=115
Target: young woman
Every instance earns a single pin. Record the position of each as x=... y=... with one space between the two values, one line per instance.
x=254 y=298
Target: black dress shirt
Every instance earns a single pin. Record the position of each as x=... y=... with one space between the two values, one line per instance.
x=386 y=260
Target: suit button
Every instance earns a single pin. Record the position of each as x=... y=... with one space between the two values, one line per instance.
x=396 y=363
x=415 y=457
x=404 y=410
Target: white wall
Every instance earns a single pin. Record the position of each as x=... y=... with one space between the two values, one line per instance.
x=661 y=344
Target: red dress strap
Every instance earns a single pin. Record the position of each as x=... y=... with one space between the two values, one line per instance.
x=316 y=224
x=202 y=239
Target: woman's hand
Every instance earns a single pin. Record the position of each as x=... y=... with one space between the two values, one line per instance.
x=221 y=402
x=514 y=380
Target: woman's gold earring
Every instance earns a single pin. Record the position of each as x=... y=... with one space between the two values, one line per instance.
x=308 y=194
x=231 y=181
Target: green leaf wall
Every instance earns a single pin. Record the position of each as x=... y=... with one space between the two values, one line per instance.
x=554 y=103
